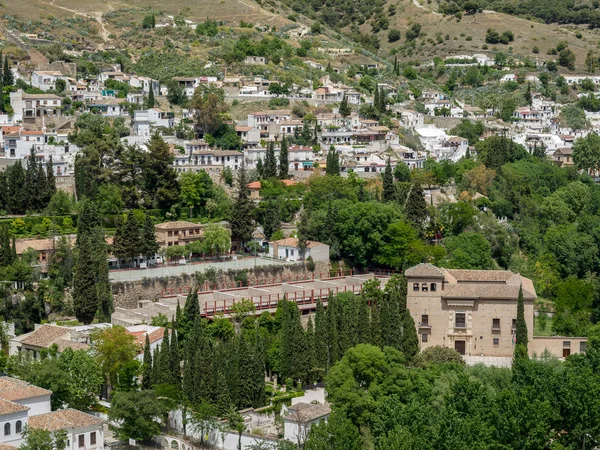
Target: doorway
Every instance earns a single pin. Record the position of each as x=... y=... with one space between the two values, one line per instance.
x=566 y=352
x=460 y=346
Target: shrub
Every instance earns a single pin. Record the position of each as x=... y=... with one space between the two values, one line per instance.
x=394 y=35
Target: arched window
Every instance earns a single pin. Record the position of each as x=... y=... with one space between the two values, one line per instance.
x=424 y=287
x=6 y=429
x=18 y=426
x=433 y=287
x=416 y=287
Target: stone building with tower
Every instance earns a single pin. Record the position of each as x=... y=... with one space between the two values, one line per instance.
x=475 y=312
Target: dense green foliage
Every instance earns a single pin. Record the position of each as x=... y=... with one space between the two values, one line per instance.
x=382 y=401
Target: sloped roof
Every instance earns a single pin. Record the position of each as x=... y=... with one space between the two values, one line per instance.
x=179 y=224
x=486 y=291
x=424 y=270
x=307 y=412
x=7 y=407
x=59 y=420
x=12 y=389
x=45 y=336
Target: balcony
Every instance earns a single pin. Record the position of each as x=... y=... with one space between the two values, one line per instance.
x=424 y=326
x=496 y=329
x=461 y=325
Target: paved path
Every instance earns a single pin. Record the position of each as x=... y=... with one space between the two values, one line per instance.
x=165 y=271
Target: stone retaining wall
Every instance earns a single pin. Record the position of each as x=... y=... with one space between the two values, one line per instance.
x=127 y=294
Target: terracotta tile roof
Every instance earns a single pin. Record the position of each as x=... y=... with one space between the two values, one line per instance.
x=23 y=392
x=64 y=344
x=241 y=128
x=7 y=407
x=153 y=336
x=253 y=185
x=480 y=275
x=40 y=245
x=487 y=291
x=294 y=242
x=425 y=270
x=7 y=447
x=307 y=412
x=45 y=336
x=177 y=225
x=59 y=420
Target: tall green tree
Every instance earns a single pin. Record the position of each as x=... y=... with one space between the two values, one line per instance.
x=7 y=75
x=243 y=209
x=147 y=365
x=270 y=166
x=344 y=109
x=284 y=160
x=332 y=162
x=150 y=102
x=149 y=245
x=85 y=297
x=160 y=178
x=521 y=338
x=127 y=242
x=389 y=190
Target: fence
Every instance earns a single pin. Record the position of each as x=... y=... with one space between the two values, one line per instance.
x=266 y=281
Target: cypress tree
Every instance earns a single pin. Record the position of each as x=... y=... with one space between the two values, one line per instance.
x=17 y=194
x=332 y=162
x=191 y=313
x=3 y=191
x=164 y=374
x=155 y=367
x=32 y=195
x=284 y=163
x=204 y=385
x=415 y=206
x=223 y=399
x=376 y=99
x=344 y=107
x=244 y=381
x=259 y=397
x=14 y=248
x=41 y=187
x=521 y=337
x=364 y=327
x=332 y=333
x=7 y=75
x=382 y=101
x=320 y=337
x=50 y=181
x=388 y=182
x=150 y=103
x=242 y=211
x=410 y=340
x=147 y=365
x=174 y=357
x=149 y=245
x=103 y=289
x=85 y=298
x=311 y=359
x=270 y=167
x=6 y=254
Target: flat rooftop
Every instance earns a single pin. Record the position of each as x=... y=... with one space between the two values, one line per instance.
x=265 y=298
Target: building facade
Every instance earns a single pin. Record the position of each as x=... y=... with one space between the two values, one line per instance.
x=475 y=311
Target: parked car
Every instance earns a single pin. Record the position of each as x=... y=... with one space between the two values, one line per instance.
x=182 y=262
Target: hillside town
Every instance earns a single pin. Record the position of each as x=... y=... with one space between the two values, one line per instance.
x=297 y=244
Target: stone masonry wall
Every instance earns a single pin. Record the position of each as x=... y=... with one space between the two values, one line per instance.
x=127 y=294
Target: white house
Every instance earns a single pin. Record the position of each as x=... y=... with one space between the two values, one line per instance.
x=155 y=337
x=43 y=338
x=300 y=418
x=13 y=418
x=30 y=106
x=289 y=249
x=46 y=80
x=84 y=431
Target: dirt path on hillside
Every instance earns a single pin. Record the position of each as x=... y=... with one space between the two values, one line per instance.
x=97 y=16
x=418 y=5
